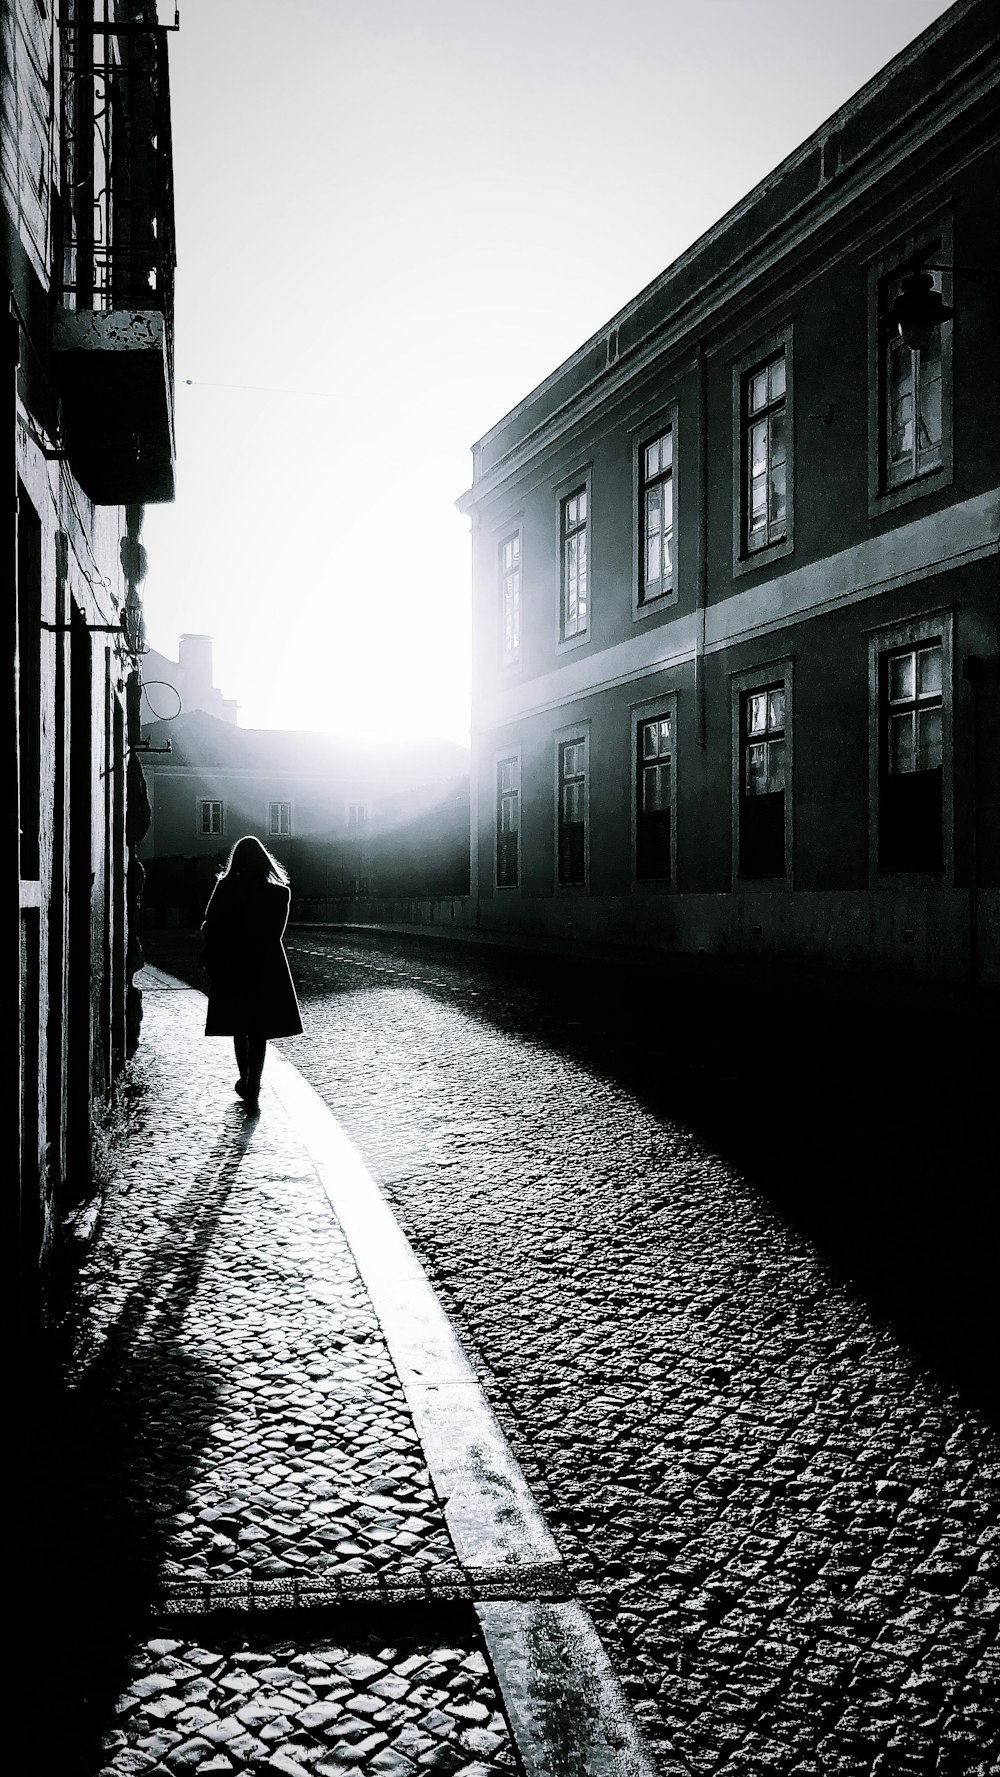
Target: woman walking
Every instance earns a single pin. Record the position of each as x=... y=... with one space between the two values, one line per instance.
x=251 y=996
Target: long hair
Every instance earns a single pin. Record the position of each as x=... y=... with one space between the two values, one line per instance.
x=250 y=859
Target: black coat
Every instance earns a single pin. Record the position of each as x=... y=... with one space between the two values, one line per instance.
x=250 y=985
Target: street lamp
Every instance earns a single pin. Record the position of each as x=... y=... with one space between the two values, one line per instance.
x=919 y=308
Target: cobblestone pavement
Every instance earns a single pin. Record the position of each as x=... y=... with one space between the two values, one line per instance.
x=315 y=1708
x=229 y=1445
x=783 y=1521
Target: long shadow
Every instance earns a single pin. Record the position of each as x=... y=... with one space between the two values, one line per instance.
x=118 y=1431
x=862 y=1113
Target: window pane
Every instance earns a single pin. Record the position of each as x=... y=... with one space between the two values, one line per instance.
x=777 y=426
x=901 y=678
x=667 y=491
x=758 y=391
x=928 y=739
x=776 y=378
x=758 y=447
x=582 y=505
x=775 y=765
x=778 y=494
x=665 y=727
x=656 y=787
x=650 y=740
x=757 y=712
x=901 y=750
x=652 y=460
x=757 y=769
x=758 y=503
x=929 y=672
x=572 y=804
x=930 y=414
x=776 y=708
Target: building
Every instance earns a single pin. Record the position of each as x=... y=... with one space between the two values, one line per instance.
x=356 y=823
x=169 y=687
x=735 y=568
x=88 y=262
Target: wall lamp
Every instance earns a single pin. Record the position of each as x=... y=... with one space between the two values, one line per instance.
x=919 y=308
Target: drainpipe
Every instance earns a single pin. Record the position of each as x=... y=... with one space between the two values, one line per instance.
x=701 y=583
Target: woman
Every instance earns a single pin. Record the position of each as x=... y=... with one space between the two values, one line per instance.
x=251 y=996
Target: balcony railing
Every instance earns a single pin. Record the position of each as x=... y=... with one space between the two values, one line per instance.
x=116 y=279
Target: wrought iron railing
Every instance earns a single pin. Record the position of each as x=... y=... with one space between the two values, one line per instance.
x=117 y=168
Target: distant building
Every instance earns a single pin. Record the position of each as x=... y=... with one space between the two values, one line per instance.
x=352 y=821
x=735 y=568
x=172 y=687
x=88 y=259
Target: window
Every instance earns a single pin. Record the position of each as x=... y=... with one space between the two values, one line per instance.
x=573 y=532
x=654 y=768
x=210 y=819
x=762 y=774
x=510 y=596
x=357 y=816
x=508 y=821
x=911 y=749
x=279 y=819
x=656 y=470
x=765 y=455
x=912 y=387
x=910 y=382
x=572 y=812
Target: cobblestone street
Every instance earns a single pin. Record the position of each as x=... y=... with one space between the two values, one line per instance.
x=755 y=1433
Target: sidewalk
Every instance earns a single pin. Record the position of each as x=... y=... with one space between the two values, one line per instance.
x=288 y=1533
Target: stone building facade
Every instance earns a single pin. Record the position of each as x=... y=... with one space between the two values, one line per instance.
x=88 y=266
x=735 y=569
x=354 y=822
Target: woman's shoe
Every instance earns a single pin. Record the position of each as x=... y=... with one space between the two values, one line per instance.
x=240 y=1089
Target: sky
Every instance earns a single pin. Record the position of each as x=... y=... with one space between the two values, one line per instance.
x=394 y=220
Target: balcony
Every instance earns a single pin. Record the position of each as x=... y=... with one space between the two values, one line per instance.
x=113 y=330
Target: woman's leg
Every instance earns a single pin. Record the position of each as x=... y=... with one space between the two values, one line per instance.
x=241 y=1046
x=256 y=1048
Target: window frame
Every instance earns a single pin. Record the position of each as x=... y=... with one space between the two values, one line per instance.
x=767 y=676
x=746 y=560
x=510 y=656
x=578 y=483
x=562 y=737
x=894 y=638
x=664 y=419
x=210 y=832
x=507 y=756
x=649 y=711
x=279 y=832
x=934 y=241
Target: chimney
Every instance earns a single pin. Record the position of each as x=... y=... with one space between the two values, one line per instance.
x=195 y=656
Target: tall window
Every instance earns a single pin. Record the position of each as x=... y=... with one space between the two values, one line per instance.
x=911 y=747
x=508 y=821
x=764 y=455
x=510 y=596
x=575 y=600
x=657 y=517
x=572 y=861
x=654 y=765
x=912 y=394
x=762 y=782
x=279 y=819
x=357 y=816
x=210 y=819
